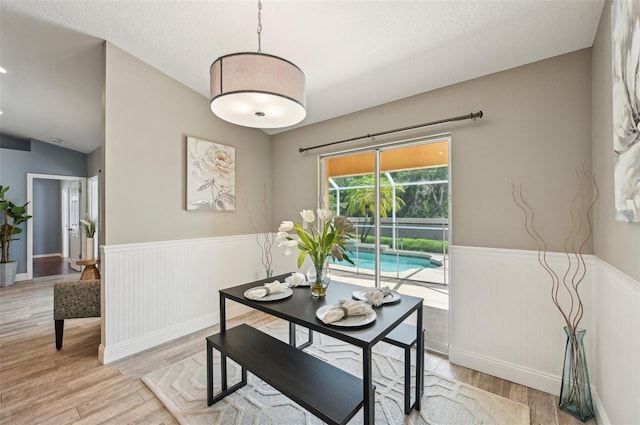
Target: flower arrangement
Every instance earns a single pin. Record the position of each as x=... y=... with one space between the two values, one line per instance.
x=320 y=240
x=89 y=227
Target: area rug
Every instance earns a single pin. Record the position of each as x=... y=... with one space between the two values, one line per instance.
x=181 y=387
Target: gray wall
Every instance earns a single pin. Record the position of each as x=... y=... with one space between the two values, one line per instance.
x=616 y=242
x=148 y=117
x=536 y=131
x=47 y=217
x=94 y=162
x=44 y=158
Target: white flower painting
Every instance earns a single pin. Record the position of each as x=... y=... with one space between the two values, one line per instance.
x=211 y=176
x=625 y=40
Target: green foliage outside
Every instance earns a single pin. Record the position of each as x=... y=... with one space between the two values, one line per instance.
x=411 y=244
x=427 y=200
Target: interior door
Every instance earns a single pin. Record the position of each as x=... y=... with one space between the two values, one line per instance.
x=73 y=225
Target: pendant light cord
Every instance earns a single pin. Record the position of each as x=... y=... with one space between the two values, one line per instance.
x=259 y=26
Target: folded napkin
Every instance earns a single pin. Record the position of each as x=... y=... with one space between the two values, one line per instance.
x=295 y=279
x=376 y=295
x=274 y=287
x=346 y=308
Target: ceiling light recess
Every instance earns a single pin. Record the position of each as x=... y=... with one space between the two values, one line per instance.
x=257 y=90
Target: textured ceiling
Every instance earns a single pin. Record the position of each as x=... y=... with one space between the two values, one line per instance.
x=355 y=54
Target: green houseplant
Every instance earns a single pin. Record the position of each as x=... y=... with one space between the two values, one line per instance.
x=12 y=216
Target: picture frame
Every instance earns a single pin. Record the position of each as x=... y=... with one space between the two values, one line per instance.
x=625 y=54
x=210 y=175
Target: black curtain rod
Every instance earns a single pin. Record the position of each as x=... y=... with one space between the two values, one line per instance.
x=471 y=116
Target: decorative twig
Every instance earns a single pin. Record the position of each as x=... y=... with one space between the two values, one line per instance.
x=573 y=247
x=267 y=237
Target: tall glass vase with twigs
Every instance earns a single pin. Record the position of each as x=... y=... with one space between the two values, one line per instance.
x=575 y=391
x=265 y=238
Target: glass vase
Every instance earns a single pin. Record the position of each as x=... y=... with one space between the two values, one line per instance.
x=318 y=277
x=575 y=393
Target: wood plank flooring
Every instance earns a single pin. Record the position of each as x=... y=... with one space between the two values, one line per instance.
x=51 y=266
x=40 y=385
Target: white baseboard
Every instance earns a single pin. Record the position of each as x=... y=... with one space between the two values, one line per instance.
x=21 y=276
x=130 y=347
x=136 y=345
x=601 y=414
x=55 y=254
x=509 y=371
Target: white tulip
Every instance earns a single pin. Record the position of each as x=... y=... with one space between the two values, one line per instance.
x=289 y=245
x=307 y=216
x=281 y=236
x=325 y=214
x=286 y=226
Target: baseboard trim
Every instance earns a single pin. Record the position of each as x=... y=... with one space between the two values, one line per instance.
x=436 y=346
x=601 y=414
x=136 y=345
x=55 y=254
x=505 y=370
x=21 y=276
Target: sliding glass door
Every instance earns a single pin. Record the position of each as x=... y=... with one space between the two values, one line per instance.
x=398 y=198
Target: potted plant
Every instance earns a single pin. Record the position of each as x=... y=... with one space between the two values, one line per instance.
x=89 y=227
x=12 y=216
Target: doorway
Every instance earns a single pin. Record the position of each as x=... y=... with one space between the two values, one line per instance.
x=398 y=198
x=69 y=205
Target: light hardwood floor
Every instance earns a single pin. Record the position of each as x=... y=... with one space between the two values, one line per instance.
x=40 y=385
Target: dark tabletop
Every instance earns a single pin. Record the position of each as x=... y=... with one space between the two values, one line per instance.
x=300 y=308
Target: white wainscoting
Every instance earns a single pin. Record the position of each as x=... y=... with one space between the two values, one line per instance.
x=155 y=292
x=617 y=362
x=504 y=323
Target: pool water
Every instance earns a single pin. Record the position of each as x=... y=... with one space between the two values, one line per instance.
x=388 y=262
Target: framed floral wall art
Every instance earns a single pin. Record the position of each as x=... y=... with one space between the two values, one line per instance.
x=625 y=55
x=211 y=176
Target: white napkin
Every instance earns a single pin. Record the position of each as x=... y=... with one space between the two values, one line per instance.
x=347 y=308
x=274 y=287
x=295 y=279
x=375 y=296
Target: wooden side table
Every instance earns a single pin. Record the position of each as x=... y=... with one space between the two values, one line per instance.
x=90 y=271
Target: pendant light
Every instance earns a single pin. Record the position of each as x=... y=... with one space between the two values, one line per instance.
x=256 y=89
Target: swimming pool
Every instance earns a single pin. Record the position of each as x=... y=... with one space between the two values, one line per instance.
x=388 y=262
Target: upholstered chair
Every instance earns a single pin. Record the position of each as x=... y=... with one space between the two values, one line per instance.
x=73 y=300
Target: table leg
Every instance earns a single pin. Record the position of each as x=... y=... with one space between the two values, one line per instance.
x=292 y=337
x=292 y=334
x=369 y=393
x=223 y=328
x=419 y=359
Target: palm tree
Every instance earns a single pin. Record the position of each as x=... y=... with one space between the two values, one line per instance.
x=362 y=200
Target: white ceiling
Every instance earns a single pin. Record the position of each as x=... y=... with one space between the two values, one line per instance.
x=355 y=54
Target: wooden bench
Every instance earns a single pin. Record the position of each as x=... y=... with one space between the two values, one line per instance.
x=328 y=392
x=404 y=336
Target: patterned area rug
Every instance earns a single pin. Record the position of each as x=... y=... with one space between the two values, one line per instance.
x=182 y=389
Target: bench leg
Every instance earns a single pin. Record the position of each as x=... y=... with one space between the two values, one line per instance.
x=59 y=333
x=211 y=398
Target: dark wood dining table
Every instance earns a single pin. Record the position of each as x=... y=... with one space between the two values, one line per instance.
x=300 y=309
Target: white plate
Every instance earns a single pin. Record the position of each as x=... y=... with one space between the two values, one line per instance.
x=348 y=322
x=273 y=297
x=359 y=294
